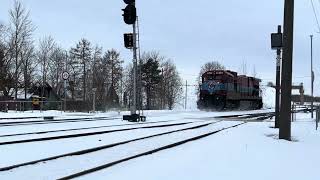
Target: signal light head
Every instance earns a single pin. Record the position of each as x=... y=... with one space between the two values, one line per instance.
x=129 y=1
x=130 y=14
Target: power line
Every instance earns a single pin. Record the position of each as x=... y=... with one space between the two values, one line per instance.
x=315 y=15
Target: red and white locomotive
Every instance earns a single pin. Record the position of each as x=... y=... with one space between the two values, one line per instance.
x=224 y=89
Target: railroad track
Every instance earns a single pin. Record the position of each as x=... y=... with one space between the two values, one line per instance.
x=90 y=150
x=70 y=120
x=68 y=136
x=162 y=148
x=256 y=116
x=91 y=168
x=253 y=116
x=86 y=128
x=134 y=155
x=243 y=117
x=14 y=118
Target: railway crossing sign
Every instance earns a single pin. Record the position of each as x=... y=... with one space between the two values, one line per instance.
x=65 y=75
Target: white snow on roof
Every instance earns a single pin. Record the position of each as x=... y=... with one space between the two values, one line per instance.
x=21 y=94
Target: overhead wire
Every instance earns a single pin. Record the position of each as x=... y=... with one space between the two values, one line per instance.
x=315 y=14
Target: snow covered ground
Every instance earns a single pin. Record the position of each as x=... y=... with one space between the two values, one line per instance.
x=250 y=151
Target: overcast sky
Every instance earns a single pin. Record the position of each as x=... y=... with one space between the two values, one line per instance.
x=189 y=32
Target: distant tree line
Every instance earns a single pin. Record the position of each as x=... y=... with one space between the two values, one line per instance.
x=26 y=63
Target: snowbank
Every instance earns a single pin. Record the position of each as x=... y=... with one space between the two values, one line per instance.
x=268 y=97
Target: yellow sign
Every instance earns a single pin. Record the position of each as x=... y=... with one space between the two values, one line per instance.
x=35 y=101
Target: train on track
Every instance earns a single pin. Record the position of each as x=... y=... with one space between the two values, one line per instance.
x=225 y=89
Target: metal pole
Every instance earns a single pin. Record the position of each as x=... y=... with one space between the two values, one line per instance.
x=317 y=116
x=186 y=96
x=286 y=83
x=94 y=102
x=65 y=95
x=139 y=63
x=65 y=85
x=134 y=106
x=278 y=85
x=312 y=75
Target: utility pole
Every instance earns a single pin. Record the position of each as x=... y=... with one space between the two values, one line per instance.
x=186 y=96
x=163 y=89
x=286 y=83
x=312 y=75
x=65 y=86
x=94 y=90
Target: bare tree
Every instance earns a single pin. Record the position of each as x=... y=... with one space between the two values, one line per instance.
x=56 y=66
x=6 y=78
x=171 y=87
x=21 y=29
x=99 y=76
x=30 y=64
x=3 y=30
x=5 y=62
x=210 y=66
x=161 y=82
x=46 y=49
x=128 y=85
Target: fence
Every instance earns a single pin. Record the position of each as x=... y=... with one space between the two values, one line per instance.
x=30 y=105
x=317 y=116
x=293 y=112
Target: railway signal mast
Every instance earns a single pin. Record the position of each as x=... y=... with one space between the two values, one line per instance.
x=277 y=44
x=312 y=77
x=130 y=41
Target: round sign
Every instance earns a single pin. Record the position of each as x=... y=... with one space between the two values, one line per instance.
x=65 y=75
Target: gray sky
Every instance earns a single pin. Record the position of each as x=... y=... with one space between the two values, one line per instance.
x=190 y=33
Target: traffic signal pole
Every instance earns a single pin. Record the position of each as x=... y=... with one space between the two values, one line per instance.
x=278 y=71
x=286 y=83
x=130 y=18
x=277 y=44
x=134 y=106
x=277 y=117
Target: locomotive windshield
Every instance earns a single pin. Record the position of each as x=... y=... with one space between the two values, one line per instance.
x=216 y=77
